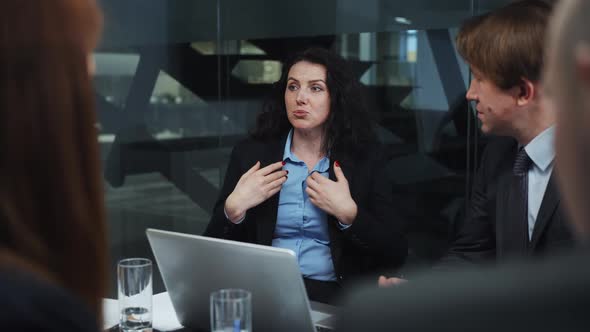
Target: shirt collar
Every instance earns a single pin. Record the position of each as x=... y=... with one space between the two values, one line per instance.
x=287 y=154
x=541 y=149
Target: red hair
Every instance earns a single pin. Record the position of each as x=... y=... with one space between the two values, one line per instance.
x=51 y=195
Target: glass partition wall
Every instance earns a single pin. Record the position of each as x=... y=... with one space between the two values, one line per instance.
x=178 y=83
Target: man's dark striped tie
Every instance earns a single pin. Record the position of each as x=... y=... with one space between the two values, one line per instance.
x=522 y=163
x=519 y=220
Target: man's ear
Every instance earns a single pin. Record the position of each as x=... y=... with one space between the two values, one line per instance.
x=582 y=58
x=527 y=92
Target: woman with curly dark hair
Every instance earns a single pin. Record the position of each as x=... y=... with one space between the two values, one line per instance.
x=311 y=178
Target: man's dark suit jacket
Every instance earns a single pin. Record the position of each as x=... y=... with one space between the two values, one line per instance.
x=545 y=295
x=375 y=240
x=490 y=233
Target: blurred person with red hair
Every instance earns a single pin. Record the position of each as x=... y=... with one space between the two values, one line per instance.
x=53 y=262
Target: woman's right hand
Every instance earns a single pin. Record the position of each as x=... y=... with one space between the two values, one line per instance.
x=254 y=187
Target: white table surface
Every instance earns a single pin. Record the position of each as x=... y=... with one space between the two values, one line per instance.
x=164 y=316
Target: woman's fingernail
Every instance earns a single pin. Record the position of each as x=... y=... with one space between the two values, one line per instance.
x=284 y=163
x=287 y=171
x=336 y=163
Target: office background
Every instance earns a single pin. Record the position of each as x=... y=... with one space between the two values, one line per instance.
x=179 y=82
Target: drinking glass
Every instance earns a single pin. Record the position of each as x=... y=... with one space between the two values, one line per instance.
x=231 y=310
x=134 y=279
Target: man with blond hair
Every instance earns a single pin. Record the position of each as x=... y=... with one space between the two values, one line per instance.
x=515 y=210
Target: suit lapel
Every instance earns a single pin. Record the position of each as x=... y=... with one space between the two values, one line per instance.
x=511 y=227
x=348 y=166
x=546 y=211
x=502 y=217
x=267 y=220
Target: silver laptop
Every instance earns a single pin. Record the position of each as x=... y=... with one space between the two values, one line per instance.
x=193 y=266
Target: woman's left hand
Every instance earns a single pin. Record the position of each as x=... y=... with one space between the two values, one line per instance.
x=333 y=197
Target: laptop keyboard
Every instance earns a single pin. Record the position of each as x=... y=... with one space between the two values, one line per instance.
x=323 y=329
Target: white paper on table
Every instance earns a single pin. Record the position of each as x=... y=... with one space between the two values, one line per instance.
x=110 y=313
x=164 y=313
x=164 y=316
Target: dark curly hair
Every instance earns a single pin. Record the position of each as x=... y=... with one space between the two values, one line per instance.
x=348 y=126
